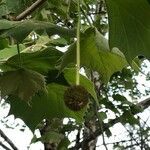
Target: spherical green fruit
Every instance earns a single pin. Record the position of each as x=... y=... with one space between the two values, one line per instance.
x=76 y=97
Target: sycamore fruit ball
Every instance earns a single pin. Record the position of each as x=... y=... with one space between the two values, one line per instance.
x=76 y=97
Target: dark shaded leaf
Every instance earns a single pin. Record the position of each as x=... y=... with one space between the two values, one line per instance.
x=128 y=117
x=55 y=77
x=20 y=30
x=22 y=83
x=129 y=28
x=40 y=61
x=63 y=145
x=3 y=43
x=52 y=137
x=102 y=115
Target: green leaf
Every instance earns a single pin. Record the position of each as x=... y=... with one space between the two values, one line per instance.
x=129 y=28
x=54 y=76
x=5 y=25
x=44 y=105
x=52 y=137
x=102 y=115
x=108 y=133
x=67 y=77
x=128 y=117
x=34 y=139
x=109 y=105
x=122 y=99
x=63 y=145
x=95 y=54
x=20 y=30
x=3 y=9
x=61 y=42
x=60 y=7
x=3 y=43
x=10 y=51
x=40 y=61
x=21 y=5
x=22 y=82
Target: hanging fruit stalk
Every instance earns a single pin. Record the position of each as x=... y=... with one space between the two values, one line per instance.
x=76 y=96
x=78 y=46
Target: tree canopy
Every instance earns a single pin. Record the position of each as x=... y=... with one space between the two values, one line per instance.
x=44 y=45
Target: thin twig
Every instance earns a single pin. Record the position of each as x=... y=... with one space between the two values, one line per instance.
x=101 y=127
x=85 y=15
x=131 y=136
x=29 y=10
x=4 y=146
x=100 y=122
x=78 y=136
x=8 y=140
x=19 y=55
x=88 y=11
x=112 y=143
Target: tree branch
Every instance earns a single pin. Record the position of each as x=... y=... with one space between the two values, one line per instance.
x=143 y=104
x=29 y=10
x=8 y=140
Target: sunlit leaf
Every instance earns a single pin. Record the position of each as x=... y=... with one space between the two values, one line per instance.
x=95 y=55
x=10 y=51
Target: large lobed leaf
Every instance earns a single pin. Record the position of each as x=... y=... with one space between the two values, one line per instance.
x=95 y=54
x=129 y=27
x=40 y=61
x=44 y=105
x=21 y=29
x=22 y=83
x=50 y=104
